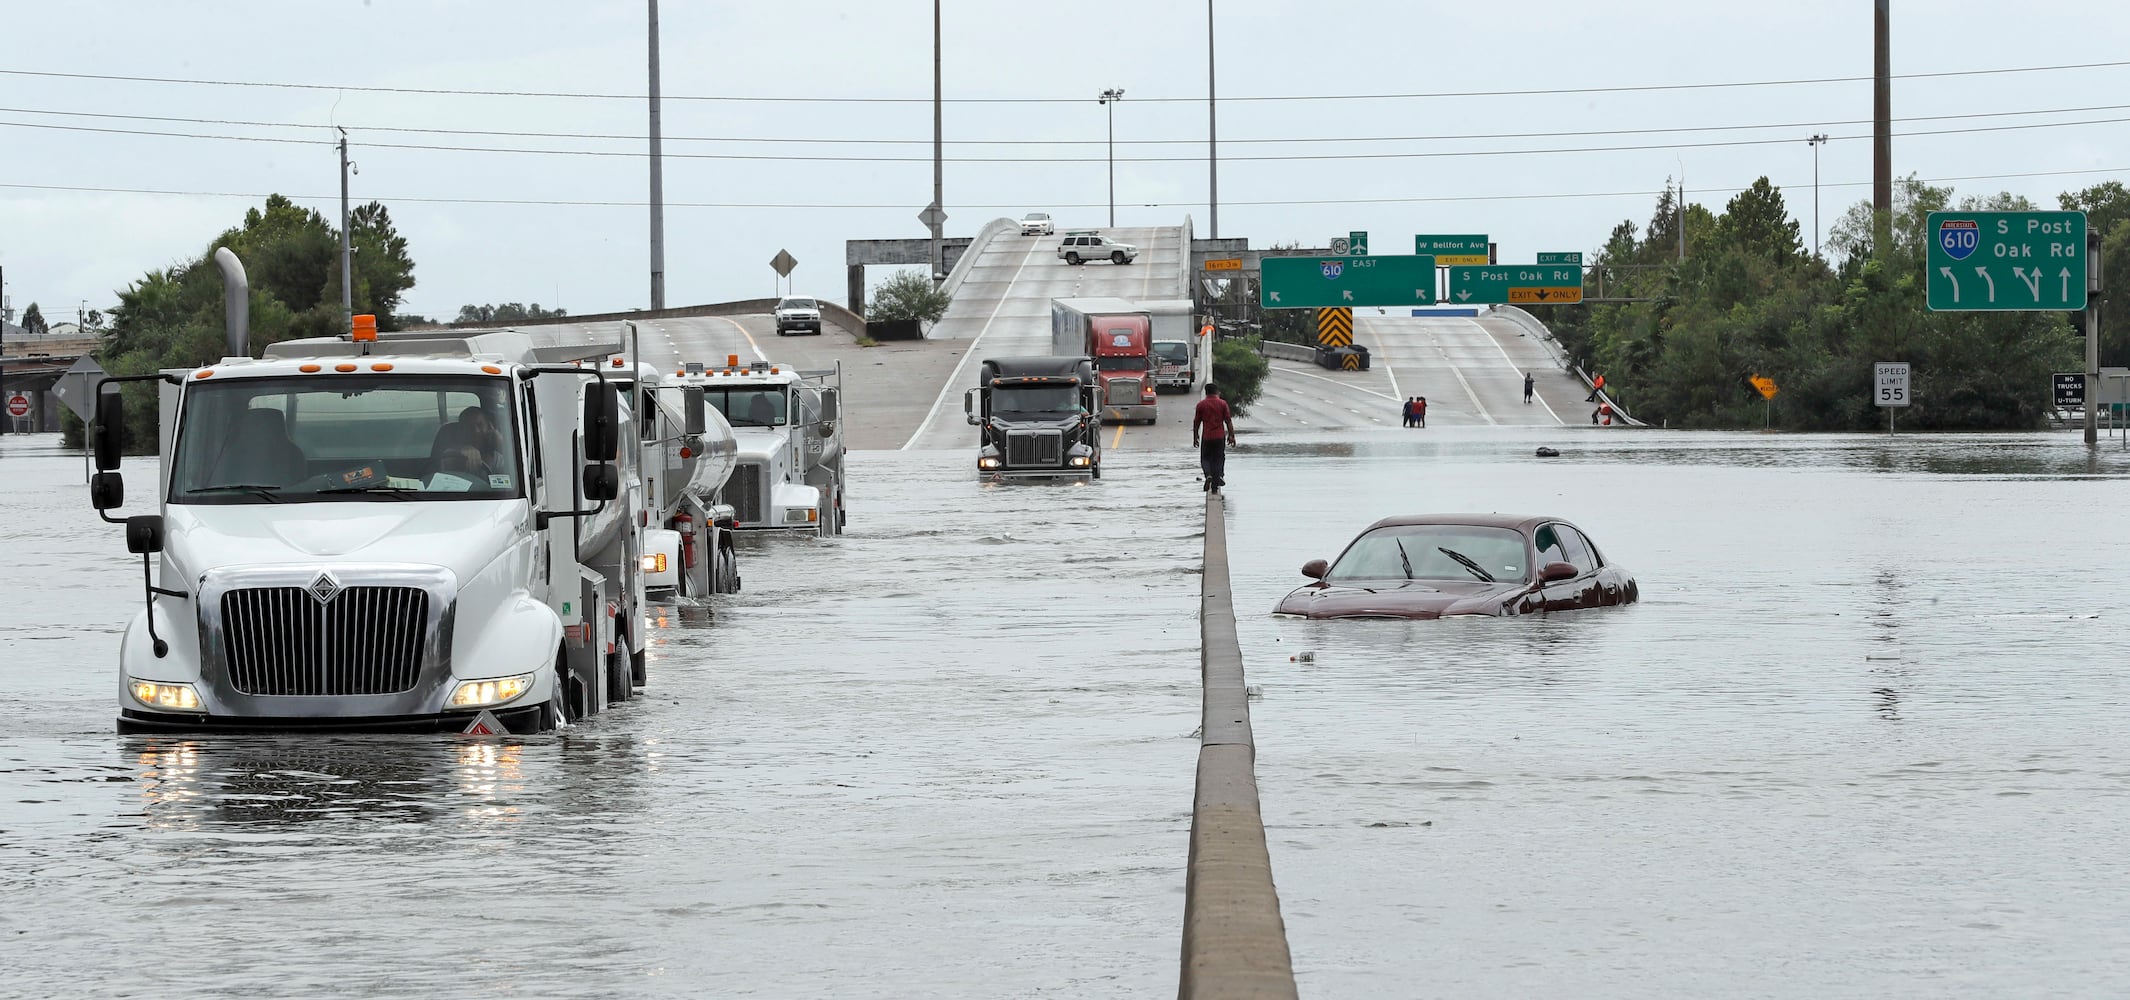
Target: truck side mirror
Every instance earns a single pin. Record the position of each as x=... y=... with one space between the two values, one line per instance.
x=144 y=534
x=968 y=406
x=830 y=410
x=601 y=482
x=110 y=431
x=106 y=490
x=692 y=402
x=602 y=422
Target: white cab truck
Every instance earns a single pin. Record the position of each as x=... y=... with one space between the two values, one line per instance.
x=1176 y=366
x=687 y=543
x=787 y=424
x=385 y=534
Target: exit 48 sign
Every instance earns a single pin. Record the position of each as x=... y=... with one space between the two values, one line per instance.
x=2006 y=261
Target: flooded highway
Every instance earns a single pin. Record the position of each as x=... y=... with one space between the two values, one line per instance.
x=1863 y=737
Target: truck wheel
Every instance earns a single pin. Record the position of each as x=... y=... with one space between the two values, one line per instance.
x=1072 y=258
x=1095 y=470
x=728 y=571
x=1116 y=256
x=557 y=710
x=640 y=668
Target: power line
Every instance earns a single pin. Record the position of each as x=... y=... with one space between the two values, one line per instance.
x=638 y=137
x=1016 y=206
x=1534 y=92
x=1301 y=157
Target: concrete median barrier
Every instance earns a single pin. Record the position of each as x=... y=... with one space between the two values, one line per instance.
x=1234 y=941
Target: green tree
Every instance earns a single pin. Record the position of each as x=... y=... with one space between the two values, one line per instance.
x=908 y=294
x=1239 y=371
x=33 y=321
x=2107 y=208
x=508 y=312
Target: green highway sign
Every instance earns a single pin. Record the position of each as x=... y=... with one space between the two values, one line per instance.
x=1571 y=257
x=1546 y=284
x=1357 y=243
x=2007 y=261
x=1316 y=282
x=1468 y=249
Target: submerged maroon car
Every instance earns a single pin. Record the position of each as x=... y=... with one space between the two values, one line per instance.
x=1452 y=565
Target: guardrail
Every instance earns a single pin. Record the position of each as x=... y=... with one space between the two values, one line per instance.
x=1286 y=352
x=968 y=257
x=1234 y=942
x=1545 y=337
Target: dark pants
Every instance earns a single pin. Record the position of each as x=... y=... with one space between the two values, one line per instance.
x=1213 y=461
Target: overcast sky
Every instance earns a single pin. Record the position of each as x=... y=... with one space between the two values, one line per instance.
x=84 y=213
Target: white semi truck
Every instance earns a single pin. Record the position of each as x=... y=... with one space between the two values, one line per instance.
x=384 y=534
x=789 y=430
x=687 y=545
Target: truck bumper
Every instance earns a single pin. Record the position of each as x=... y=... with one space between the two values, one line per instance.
x=1004 y=475
x=1123 y=414
x=519 y=718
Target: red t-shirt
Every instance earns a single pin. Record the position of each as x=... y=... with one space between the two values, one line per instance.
x=1212 y=415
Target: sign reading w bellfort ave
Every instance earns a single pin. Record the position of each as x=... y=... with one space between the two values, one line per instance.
x=2006 y=261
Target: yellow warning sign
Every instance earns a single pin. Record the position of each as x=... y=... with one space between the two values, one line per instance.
x=1461 y=259
x=1334 y=327
x=1224 y=264
x=1764 y=384
x=1546 y=296
x=1350 y=362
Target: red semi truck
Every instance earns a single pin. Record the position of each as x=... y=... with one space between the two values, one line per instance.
x=1119 y=336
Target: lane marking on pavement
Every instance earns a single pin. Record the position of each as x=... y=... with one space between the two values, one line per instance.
x=1535 y=394
x=954 y=378
x=1476 y=404
x=1118 y=440
x=757 y=348
x=1387 y=369
x=1336 y=382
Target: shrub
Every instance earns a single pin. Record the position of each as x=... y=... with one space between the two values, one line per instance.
x=908 y=294
x=1239 y=371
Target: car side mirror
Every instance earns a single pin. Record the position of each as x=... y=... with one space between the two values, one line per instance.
x=602 y=420
x=107 y=490
x=601 y=482
x=144 y=534
x=1316 y=569
x=1558 y=571
x=110 y=430
x=697 y=420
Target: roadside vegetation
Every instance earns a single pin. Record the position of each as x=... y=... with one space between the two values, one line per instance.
x=906 y=295
x=1750 y=298
x=173 y=318
x=507 y=312
x=1239 y=371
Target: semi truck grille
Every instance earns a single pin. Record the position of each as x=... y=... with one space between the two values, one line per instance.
x=744 y=492
x=363 y=640
x=1026 y=448
x=1124 y=392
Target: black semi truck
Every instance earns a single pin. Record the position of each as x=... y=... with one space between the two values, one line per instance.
x=1036 y=418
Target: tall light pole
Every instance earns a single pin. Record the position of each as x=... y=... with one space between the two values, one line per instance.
x=347 y=247
x=1109 y=100
x=935 y=215
x=1212 y=129
x=658 y=182
x=1816 y=141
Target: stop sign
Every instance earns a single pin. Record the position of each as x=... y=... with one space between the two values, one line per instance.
x=18 y=405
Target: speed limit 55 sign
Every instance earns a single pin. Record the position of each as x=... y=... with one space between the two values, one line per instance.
x=1891 y=381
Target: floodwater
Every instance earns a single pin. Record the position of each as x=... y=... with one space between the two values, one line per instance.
x=1863 y=737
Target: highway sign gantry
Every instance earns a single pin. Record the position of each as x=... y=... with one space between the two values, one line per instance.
x=2006 y=261
x=1450 y=250
x=1547 y=284
x=1314 y=282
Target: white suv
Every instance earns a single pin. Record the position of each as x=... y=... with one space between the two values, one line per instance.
x=798 y=313
x=1037 y=224
x=1079 y=248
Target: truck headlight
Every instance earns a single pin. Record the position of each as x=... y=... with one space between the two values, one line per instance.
x=800 y=515
x=987 y=462
x=654 y=563
x=158 y=694
x=1079 y=460
x=494 y=691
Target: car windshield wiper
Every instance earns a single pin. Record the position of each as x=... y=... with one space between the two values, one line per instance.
x=397 y=492
x=1403 y=559
x=255 y=489
x=1466 y=562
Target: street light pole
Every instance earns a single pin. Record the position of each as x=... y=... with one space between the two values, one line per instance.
x=1212 y=128
x=1816 y=141
x=1109 y=100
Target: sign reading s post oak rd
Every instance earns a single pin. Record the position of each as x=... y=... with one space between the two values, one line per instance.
x=2006 y=261
x=1316 y=282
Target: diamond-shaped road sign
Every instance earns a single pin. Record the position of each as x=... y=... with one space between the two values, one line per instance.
x=782 y=263
x=933 y=217
x=77 y=388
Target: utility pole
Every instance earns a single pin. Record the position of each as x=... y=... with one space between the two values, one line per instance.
x=1212 y=131
x=939 y=177
x=2093 y=290
x=3 y=347
x=1109 y=100
x=1816 y=141
x=1682 y=211
x=1882 y=133
x=347 y=246
x=658 y=183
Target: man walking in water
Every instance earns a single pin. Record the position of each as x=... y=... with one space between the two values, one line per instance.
x=1529 y=383
x=1212 y=425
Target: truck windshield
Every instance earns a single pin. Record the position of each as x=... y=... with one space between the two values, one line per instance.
x=1124 y=363
x=346 y=437
x=749 y=406
x=1173 y=352
x=1036 y=400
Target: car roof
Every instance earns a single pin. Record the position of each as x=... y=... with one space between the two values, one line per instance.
x=1515 y=522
